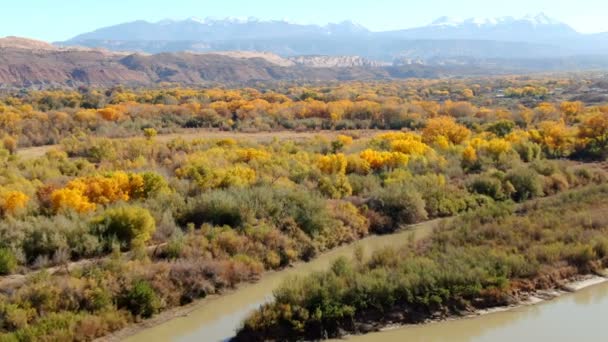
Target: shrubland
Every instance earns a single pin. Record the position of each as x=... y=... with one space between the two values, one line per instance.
x=492 y=257
x=101 y=232
x=546 y=107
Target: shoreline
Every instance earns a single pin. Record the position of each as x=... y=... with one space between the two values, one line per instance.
x=166 y=316
x=180 y=311
x=533 y=298
x=185 y=310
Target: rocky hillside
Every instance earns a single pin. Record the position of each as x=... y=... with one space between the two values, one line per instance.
x=25 y=43
x=28 y=63
x=335 y=62
x=25 y=63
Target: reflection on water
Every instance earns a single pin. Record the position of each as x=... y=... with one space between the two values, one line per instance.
x=218 y=318
x=579 y=316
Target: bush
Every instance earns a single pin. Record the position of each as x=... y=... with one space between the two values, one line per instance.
x=153 y=184
x=501 y=128
x=308 y=210
x=489 y=186
x=218 y=207
x=141 y=300
x=150 y=133
x=335 y=186
x=526 y=183
x=128 y=224
x=8 y=262
x=401 y=203
x=528 y=151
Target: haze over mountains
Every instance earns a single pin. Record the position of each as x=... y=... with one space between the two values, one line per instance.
x=532 y=36
x=194 y=52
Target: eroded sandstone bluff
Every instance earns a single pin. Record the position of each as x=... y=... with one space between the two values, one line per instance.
x=30 y=63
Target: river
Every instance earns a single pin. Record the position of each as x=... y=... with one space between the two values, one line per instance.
x=576 y=316
x=217 y=318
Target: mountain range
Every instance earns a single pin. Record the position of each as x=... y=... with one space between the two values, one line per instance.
x=531 y=36
x=244 y=51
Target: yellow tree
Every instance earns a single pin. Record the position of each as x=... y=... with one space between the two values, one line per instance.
x=444 y=127
x=12 y=202
x=571 y=109
x=64 y=199
x=556 y=138
x=332 y=164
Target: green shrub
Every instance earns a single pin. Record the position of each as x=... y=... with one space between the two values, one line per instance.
x=528 y=151
x=141 y=300
x=8 y=262
x=501 y=128
x=363 y=185
x=217 y=207
x=174 y=248
x=489 y=186
x=129 y=225
x=335 y=186
x=526 y=184
x=153 y=184
x=402 y=203
x=308 y=210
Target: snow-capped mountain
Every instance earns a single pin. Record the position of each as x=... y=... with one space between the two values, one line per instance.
x=213 y=29
x=534 y=20
x=530 y=36
x=530 y=28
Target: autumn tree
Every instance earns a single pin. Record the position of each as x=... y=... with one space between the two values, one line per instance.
x=593 y=136
x=571 y=109
x=10 y=144
x=556 y=138
x=12 y=202
x=444 y=127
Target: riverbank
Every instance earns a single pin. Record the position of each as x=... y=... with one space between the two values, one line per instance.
x=397 y=319
x=491 y=260
x=238 y=303
x=197 y=318
x=570 y=316
x=535 y=298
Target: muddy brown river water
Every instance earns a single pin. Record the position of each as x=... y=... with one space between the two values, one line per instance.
x=578 y=316
x=573 y=317
x=216 y=319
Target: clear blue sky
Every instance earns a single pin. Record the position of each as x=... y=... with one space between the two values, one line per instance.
x=54 y=20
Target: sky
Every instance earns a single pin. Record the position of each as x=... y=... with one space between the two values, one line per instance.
x=57 y=20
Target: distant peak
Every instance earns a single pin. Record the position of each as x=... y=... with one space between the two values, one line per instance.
x=196 y=20
x=347 y=25
x=535 y=19
x=211 y=20
x=447 y=21
x=541 y=19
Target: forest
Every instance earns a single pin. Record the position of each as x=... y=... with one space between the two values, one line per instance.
x=122 y=217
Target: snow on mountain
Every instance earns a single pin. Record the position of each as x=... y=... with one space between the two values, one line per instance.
x=535 y=35
x=539 y=19
x=537 y=28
